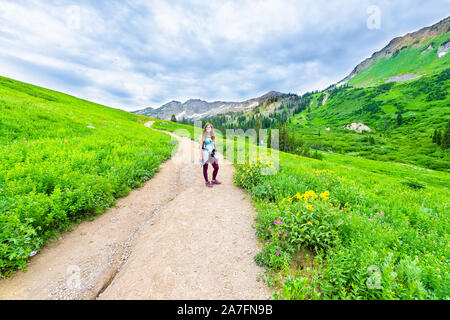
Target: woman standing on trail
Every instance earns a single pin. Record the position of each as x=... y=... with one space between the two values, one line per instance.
x=208 y=154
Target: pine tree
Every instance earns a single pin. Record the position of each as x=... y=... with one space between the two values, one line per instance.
x=438 y=137
x=257 y=128
x=293 y=143
x=399 y=118
x=269 y=139
x=280 y=136
x=445 y=143
x=173 y=119
x=434 y=135
x=285 y=138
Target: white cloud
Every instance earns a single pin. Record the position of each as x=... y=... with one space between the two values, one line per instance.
x=140 y=53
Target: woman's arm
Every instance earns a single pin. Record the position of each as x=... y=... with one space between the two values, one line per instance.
x=201 y=146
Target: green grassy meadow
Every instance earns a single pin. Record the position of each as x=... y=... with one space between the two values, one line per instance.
x=64 y=160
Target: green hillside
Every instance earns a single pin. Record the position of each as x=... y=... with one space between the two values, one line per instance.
x=424 y=105
x=409 y=59
x=62 y=160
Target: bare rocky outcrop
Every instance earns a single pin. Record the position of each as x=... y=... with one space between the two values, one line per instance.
x=403 y=77
x=358 y=127
x=443 y=49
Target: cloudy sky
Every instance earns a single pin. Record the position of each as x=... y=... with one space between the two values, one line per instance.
x=135 y=53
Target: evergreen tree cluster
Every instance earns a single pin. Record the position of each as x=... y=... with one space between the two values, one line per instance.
x=442 y=140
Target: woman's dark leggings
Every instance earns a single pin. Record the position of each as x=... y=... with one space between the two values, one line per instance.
x=205 y=170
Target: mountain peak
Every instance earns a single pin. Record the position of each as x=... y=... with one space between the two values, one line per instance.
x=194 y=100
x=272 y=94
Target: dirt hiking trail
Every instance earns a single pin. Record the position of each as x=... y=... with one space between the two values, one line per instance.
x=173 y=238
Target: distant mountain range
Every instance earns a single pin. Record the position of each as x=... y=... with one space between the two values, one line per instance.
x=195 y=109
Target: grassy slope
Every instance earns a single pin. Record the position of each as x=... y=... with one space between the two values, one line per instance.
x=416 y=60
x=409 y=143
x=55 y=170
x=415 y=205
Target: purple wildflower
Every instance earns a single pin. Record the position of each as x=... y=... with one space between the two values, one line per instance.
x=278 y=252
x=270 y=228
x=286 y=234
x=32 y=254
x=279 y=231
x=275 y=222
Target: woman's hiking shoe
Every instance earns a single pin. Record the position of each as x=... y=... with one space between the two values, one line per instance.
x=216 y=182
x=208 y=184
